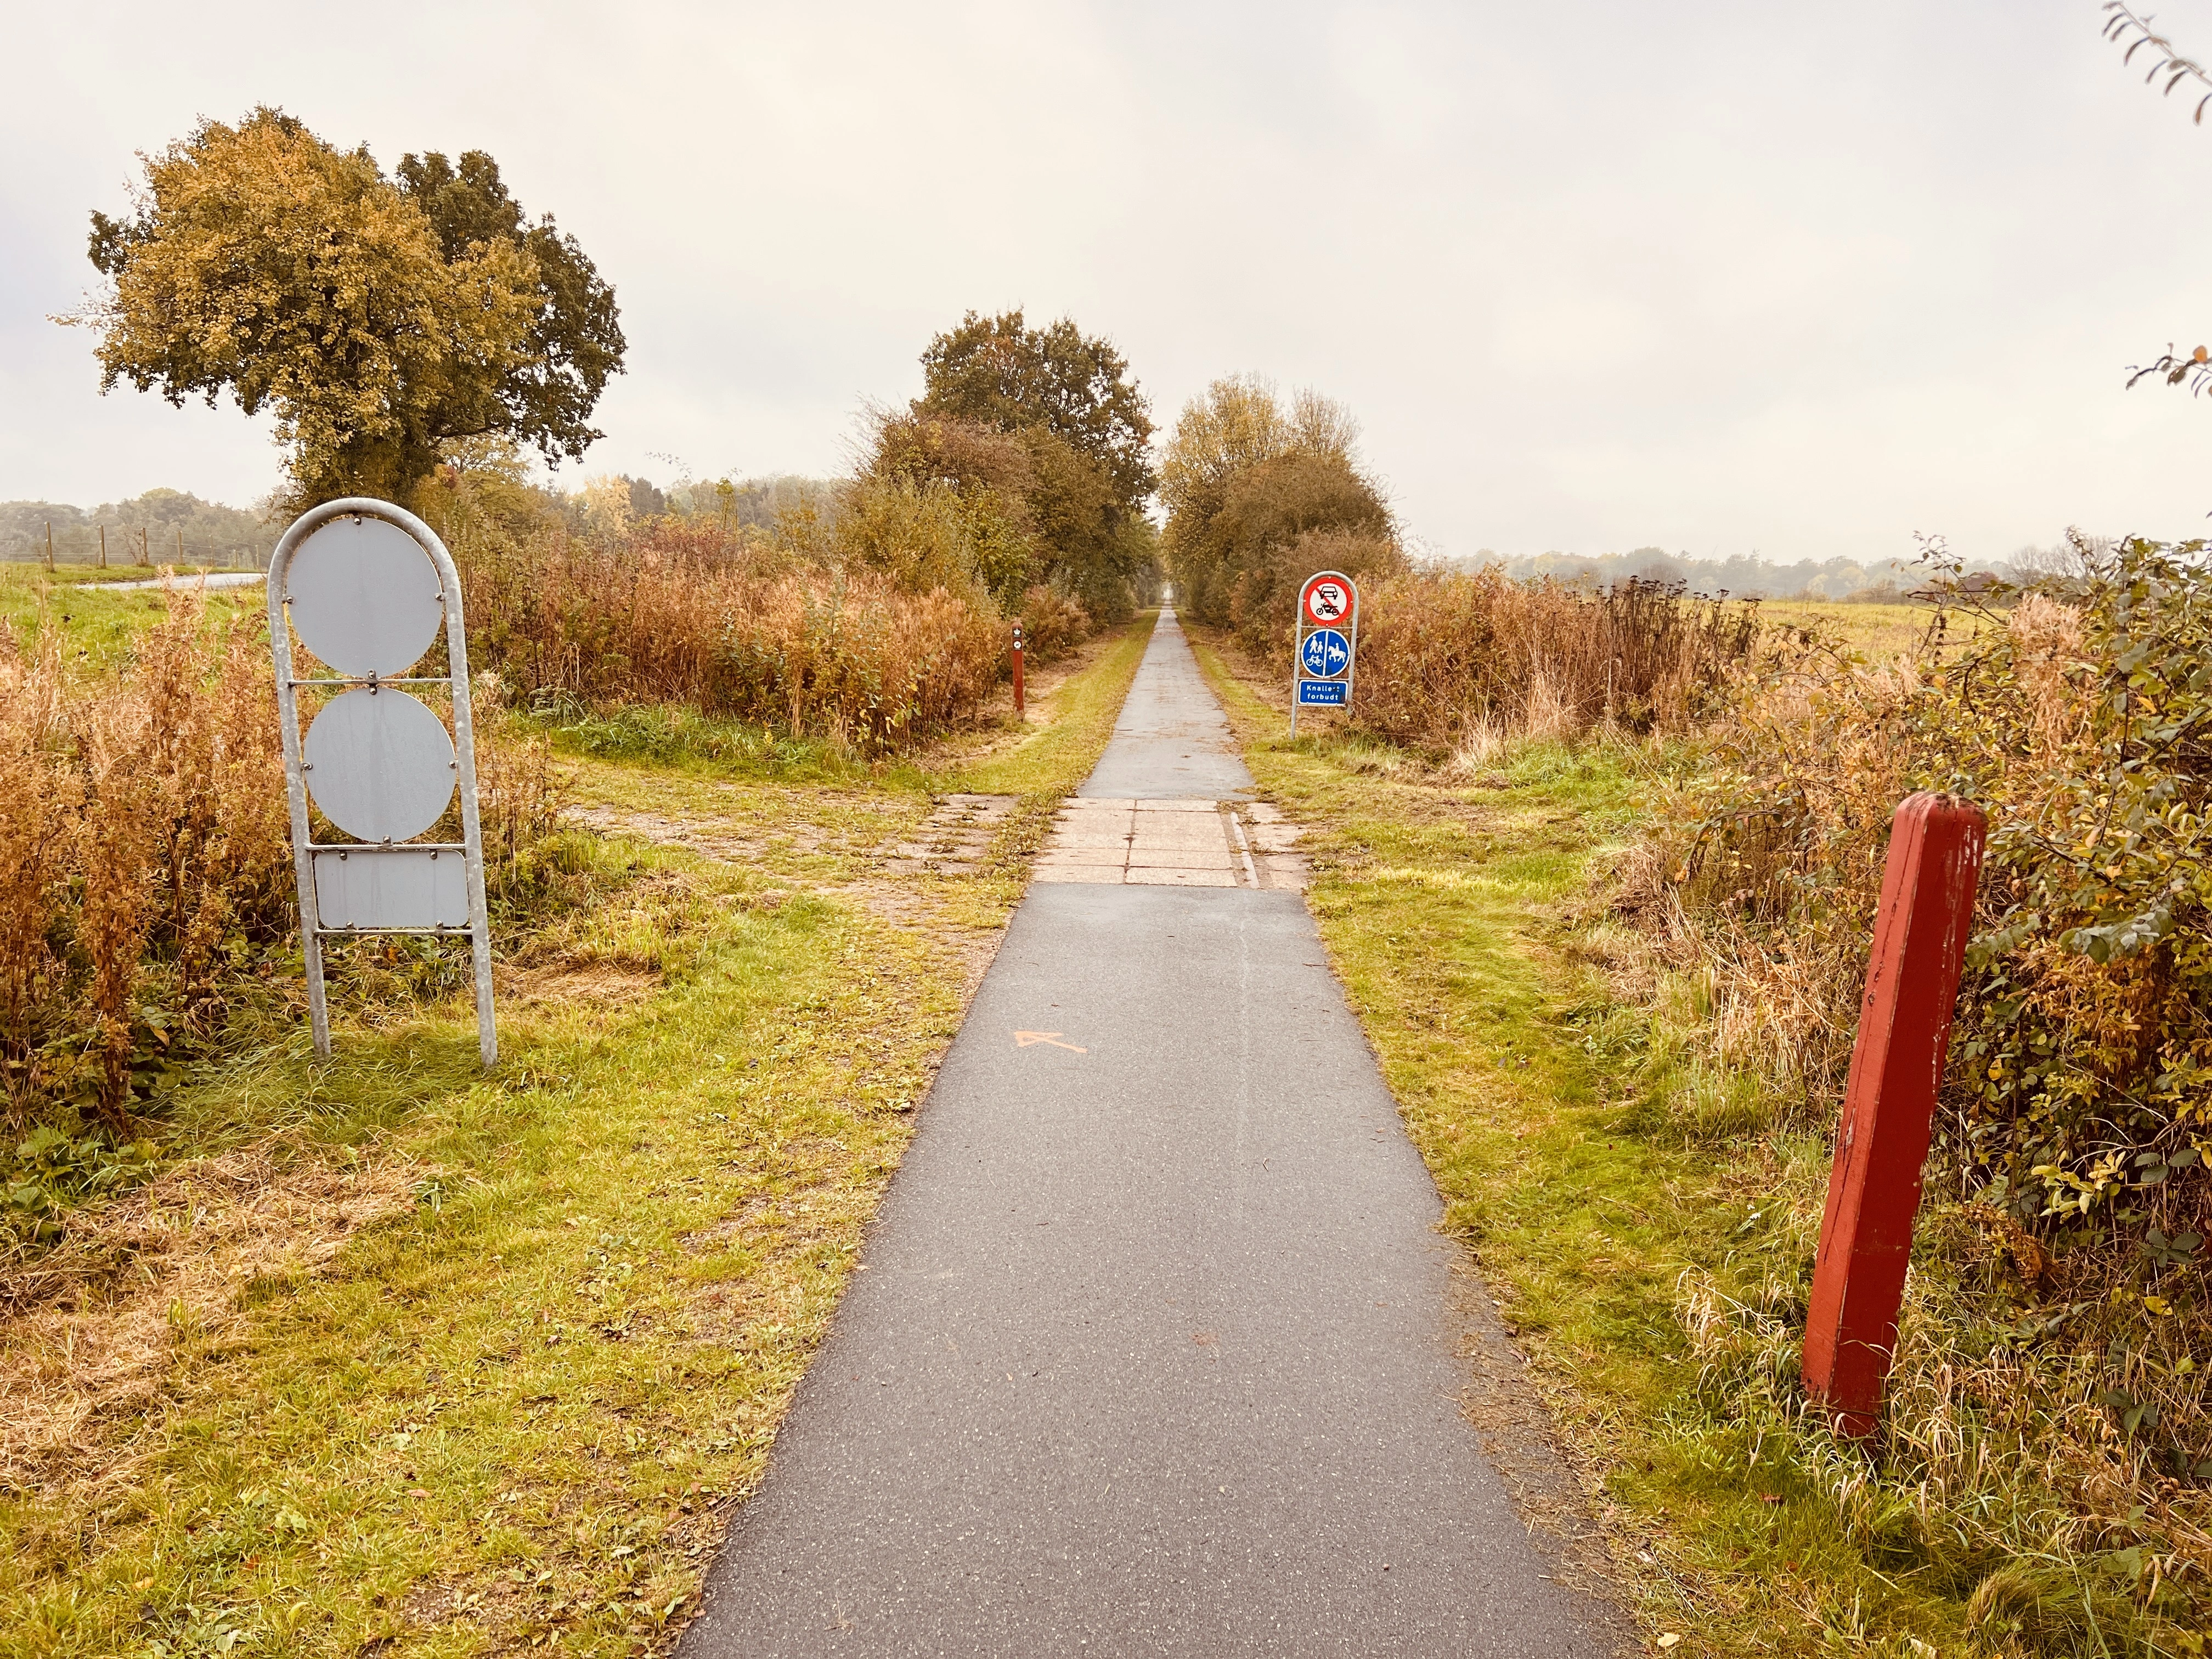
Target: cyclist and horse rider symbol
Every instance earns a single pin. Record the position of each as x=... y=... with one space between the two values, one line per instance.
x=1325 y=653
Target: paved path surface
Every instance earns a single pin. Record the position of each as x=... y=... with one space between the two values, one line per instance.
x=1154 y=1354
x=1172 y=740
x=1171 y=843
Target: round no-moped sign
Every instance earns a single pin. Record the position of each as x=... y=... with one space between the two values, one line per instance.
x=1327 y=601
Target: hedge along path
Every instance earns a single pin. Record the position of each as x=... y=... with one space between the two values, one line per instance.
x=512 y=1405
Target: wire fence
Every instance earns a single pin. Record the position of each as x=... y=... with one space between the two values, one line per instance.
x=128 y=546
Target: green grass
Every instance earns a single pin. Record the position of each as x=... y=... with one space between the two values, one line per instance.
x=99 y=629
x=512 y=1406
x=509 y=1408
x=1608 y=1182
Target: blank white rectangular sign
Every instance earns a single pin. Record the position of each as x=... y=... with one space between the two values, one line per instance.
x=394 y=887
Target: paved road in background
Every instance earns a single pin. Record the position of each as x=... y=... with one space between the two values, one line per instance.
x=1154 y=1354
x=211 y=579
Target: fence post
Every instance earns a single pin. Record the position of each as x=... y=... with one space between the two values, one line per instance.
x=103 y=547
x=1019 y=706
x=1920 y=932
x=50 y=545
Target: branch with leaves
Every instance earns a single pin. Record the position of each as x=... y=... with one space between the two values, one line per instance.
x=2174 y=367
x=2122 y=23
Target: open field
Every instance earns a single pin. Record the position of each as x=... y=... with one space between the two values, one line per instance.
x=401 y=1357
x=1878 y=630
x=99 y=625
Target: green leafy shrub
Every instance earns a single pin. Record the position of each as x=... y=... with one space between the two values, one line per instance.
x=2081 y=1067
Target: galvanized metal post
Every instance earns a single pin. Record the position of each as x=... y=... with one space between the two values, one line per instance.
x=295 y=782
x=464 y=751
x=1351 y=671
x=463 y=737
x=1921 y=927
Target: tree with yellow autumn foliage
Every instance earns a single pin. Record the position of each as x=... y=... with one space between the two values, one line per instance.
x=263 y=262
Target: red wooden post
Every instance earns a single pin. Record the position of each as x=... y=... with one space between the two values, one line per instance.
x=1018 y=712
x=1920 y=932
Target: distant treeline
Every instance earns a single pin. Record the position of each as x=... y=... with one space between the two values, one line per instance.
x=155 y=525
x=1737 y=578
x=169 y=526
x=733 y=503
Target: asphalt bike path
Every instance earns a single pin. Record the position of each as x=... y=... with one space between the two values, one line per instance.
x=1154 y=1351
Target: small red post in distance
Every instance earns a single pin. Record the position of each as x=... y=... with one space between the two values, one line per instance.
x=1920 y=933
x=1019 y=711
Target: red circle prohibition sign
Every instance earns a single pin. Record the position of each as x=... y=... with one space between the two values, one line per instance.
x=1329 y=599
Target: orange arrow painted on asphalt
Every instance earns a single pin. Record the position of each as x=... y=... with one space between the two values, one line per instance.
x=1030 y=1039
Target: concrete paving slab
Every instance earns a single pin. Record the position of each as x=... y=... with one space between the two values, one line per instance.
x=1109 y=857
x=1113 y=874
x=1179 y=858
x=1154 y=875
x=1209 y=832
x=1068 y=835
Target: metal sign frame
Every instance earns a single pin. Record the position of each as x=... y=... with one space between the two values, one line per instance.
x=306 y=851
x=1302 y=626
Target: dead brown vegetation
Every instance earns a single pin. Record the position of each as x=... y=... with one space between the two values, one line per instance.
x=1461 y=664
x=146 y=883
x=872 y=626
x=141 y=839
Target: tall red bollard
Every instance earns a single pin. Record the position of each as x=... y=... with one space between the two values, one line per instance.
x=1920 y=933
x=1019 y=712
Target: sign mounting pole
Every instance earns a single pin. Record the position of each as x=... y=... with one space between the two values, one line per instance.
x=368 y=587
x=1324 y=642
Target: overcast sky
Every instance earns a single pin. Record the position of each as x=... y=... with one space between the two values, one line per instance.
x=1728 y=278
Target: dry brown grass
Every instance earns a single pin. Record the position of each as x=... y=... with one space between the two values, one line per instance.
x=1461 y=665
x=146 y=881
x=849 y=655
x=94 y=1322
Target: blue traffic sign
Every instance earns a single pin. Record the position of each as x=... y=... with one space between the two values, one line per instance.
x=1325 y=653
x=1327 y=694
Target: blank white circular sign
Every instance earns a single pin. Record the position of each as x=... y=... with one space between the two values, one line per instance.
x=379 y=764
x=364 y=596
